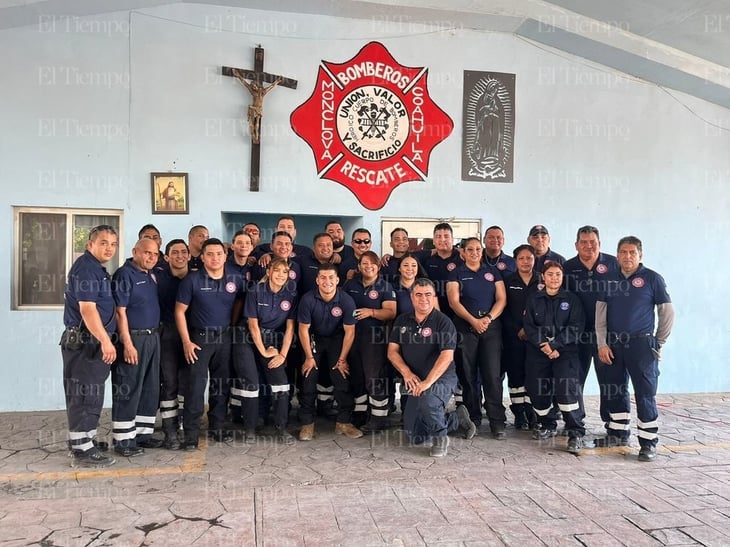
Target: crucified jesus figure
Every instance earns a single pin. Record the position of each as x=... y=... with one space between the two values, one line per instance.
x=256 y=108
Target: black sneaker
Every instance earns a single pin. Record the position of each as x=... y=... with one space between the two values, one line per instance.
x=220 y=435
x=91 y=458
x=610 y=441
x=171 y=442
x=283 y=436
x=543 y=434
x=575 y=444
x=129 y=451
x=467 y=428
x=498 y=432
x=647 y=454
x=374 y=425
x=101 y=445
x=190 y=446
x=151 y=443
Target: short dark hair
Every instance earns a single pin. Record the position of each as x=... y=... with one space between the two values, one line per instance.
x=285 y=217
x=587 y=229
x=372 y=255
x=96 y=230
x=251 y=224
x=399 y=229
x=146 y=227
x=326 y=267
x=281 y=233
x=211 y=241
x=361 y=230
x=331 y=222
x=423 y=282
x=443 y=226
x=523 y=247
x=175 y=242
x=241 y=233
x=320 y=236
x=495 y=227
x=552 y=264
x=465 y=241
x=195 y=228
x=629 y=240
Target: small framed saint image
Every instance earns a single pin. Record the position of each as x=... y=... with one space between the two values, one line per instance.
x=170 y=194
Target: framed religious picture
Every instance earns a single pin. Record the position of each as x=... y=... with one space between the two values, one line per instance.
x=170 y=194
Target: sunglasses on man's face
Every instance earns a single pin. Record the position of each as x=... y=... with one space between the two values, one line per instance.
x=361 y=241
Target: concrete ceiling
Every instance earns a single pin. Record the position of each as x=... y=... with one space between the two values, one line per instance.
x=677 y=44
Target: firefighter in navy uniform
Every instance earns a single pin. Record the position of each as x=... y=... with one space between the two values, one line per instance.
x=87 y=347
x=477 y=297
x=270 y=311
x=327 y=331
x=421 y=348
x=586 y=276
x=518 y=286
x=539 y=238
x=375 y=301
x=630 y=346
x=173 y=368
x=209 y=297
x=493 y=254
x=136 y=372
x=553 y=322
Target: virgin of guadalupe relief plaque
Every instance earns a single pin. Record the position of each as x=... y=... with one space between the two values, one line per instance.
x=489 y=127
x=371 y=124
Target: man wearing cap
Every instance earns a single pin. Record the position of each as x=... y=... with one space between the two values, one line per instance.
x=630 y=345
x=539 y=238
x=421 y=348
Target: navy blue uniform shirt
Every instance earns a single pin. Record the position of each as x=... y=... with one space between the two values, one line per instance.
x=422 y=343
x=309 y=270
x=270 y=308
x=587 y=284
x=505 y=264
x=88 y=281
x=371 y=297
x=517 y=295
x=550 y=255
x=438 y=270
x=631 y=301
x=167 y=285
x=403 y=301
x=136 y=291
x=210 y=301
x=477 y=289
x=326 y=318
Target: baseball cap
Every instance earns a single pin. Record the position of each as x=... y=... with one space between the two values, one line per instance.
x=538 y=229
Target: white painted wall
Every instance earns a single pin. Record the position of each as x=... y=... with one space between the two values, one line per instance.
x=92 y=106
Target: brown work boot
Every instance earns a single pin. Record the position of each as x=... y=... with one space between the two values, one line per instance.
x=306 y=433
x=348 y=430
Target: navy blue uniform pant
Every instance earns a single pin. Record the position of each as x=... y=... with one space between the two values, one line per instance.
x=135 y=391
x=425 y=416
x=481 y=356
x=327 y=352
x=558 y=379
x=634 y=358
x=249 y=368
x=368 y=375
x=173 y=375
x=214 y=358
x=84 y=375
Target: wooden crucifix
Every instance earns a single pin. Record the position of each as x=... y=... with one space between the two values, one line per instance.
x=255 y=80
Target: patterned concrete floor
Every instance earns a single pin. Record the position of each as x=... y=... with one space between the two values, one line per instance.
x=376 y=490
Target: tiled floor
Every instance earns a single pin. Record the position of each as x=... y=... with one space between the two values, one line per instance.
x=376 y=490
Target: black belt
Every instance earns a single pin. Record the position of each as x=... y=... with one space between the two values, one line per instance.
x=144 y=331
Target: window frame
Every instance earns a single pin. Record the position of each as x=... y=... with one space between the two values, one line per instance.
x=460 y=226
x=70 y=213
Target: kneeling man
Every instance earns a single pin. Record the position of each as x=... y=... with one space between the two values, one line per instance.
x=421 y=348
